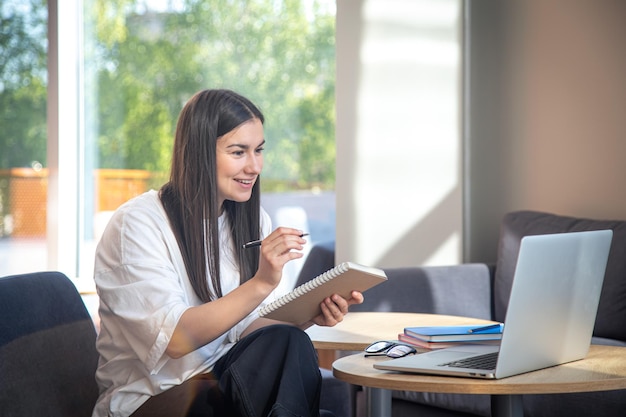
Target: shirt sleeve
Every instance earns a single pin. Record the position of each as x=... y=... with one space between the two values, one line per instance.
x=137 y=282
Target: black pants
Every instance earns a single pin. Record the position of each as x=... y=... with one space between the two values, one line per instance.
x=273 y=372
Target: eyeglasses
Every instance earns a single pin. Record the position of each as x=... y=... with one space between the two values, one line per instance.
x=390 y=349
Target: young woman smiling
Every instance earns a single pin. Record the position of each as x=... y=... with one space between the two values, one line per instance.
x=180 y=335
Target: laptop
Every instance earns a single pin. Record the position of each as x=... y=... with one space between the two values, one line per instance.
x=551 y=313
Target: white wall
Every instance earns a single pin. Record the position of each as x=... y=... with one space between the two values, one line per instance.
x=544 y=122
x=399 y=193
x=547 y=113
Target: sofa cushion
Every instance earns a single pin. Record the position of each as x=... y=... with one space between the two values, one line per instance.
x=467 y=404
x=460 y=290
x=611 y=318
x=577 y=404
x=336 y=395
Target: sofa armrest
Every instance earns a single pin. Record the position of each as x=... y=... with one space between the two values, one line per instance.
x=320 y=259
x=461 y=290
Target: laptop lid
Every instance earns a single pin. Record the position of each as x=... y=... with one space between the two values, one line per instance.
x=551 y=313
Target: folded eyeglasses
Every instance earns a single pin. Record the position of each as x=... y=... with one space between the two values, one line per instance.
x=389 y=348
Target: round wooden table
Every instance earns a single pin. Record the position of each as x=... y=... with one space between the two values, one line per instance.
x=603 y=369
x=360 y=329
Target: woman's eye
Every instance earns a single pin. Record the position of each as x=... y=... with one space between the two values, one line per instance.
x=260 y=150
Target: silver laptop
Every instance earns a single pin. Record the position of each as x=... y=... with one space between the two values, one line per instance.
x=551 y=313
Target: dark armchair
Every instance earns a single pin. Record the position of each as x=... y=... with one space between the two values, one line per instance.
x=48 y=355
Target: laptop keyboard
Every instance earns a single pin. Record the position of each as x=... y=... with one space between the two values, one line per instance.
x=486 y=361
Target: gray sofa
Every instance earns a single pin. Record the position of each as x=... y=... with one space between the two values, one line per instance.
x=479 y=290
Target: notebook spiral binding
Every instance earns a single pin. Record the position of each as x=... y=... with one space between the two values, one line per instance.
x=304 y=288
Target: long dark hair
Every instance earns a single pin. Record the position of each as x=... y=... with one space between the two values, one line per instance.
x=190 y=196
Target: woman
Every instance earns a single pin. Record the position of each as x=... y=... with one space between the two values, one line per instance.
x=180 y=335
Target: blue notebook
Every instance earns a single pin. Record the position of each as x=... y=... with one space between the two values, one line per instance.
x=456 y=333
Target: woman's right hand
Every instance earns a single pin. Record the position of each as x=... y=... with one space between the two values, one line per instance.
x=281 y=246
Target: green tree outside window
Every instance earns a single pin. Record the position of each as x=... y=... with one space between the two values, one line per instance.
x=141 y=64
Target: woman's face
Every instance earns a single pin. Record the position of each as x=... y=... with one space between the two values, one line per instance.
x=239 y=161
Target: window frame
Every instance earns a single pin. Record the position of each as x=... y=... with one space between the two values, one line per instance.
x=64 y=138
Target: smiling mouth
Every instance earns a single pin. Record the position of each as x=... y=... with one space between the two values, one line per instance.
x=247 y=182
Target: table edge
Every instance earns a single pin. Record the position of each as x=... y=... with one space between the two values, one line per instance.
x=461 y=385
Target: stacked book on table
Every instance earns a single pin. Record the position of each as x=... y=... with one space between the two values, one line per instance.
x=439 y=337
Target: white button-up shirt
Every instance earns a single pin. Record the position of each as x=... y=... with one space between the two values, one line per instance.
x=144 y=290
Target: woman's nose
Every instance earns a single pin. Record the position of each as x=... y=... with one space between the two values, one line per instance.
x=255 y=164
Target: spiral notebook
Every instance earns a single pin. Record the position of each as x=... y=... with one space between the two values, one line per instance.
x=303 y=303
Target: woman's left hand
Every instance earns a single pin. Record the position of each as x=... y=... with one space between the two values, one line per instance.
x=335 y=307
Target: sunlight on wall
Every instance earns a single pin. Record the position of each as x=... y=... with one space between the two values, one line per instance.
x=405 y=168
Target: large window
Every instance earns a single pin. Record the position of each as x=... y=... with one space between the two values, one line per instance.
x=140 y=60
x=23 y=174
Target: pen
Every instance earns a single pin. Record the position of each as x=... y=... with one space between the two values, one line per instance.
x=484 y=328
x=256 y=243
